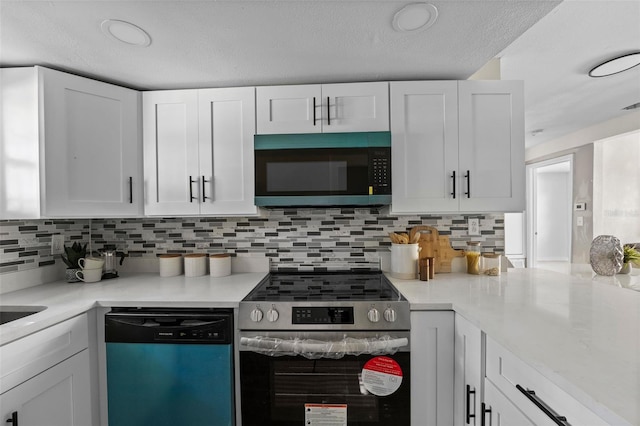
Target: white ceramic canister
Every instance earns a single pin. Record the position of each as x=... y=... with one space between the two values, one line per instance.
x=404 y=261
x=170 y=265
x=195 y=264
x=220 y=265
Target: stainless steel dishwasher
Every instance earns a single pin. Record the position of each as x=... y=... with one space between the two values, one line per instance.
x=169 y=366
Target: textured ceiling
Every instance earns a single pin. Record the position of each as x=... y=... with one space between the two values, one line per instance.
x=237 y=43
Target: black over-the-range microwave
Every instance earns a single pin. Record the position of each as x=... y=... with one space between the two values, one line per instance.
x=324 y=169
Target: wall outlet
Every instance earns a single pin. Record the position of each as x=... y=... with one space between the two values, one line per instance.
x=473 y=226
x=579 y=221
x=57 y=244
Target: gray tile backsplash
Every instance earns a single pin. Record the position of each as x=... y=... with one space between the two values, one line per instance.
x=307 y=239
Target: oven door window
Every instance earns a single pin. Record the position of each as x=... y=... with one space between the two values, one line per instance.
x=312 y=172
x=276 y=389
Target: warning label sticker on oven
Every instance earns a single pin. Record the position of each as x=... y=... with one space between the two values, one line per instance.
x=381 y=376
x=325 y=414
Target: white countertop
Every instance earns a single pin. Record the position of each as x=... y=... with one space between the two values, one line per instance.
x=582 y=333
x=579 y=331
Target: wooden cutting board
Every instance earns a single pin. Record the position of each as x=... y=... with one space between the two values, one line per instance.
x=432 y=244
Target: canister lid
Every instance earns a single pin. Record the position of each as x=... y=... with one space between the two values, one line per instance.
x=218 y=255
x=491 y=255
x=169 y=255
x=474 y=243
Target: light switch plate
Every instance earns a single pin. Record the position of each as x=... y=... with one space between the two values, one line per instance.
x=473 y=226
x=57 y=244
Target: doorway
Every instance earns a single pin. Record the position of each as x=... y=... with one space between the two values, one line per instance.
x=549 y=222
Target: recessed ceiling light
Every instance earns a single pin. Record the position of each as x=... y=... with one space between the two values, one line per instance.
x=415 y=17
x=616 y=65
x=125 y=32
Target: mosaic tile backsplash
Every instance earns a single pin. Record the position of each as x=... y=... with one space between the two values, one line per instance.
x=302 y=239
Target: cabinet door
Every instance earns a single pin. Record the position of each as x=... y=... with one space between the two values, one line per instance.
x=59 y=396
x=288 y=109
x=227 y=127
x=491 y=143
x=170 y=123
x=355 y=107
x=432 y=367
x=499 y=411
x=468 y=373
x=92 y=147
x=424 y=144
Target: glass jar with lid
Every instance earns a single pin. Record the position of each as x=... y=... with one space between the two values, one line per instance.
x=491 y=263
x=472 y=253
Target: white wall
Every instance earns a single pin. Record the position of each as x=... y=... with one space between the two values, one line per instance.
x=616 y=187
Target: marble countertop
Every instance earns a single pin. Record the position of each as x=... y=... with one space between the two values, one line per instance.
x=581 y=332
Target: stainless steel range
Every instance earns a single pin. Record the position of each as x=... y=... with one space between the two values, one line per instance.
x=317 y=346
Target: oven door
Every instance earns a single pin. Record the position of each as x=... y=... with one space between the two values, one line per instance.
x=309 y=378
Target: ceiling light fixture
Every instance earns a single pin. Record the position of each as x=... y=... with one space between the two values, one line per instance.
x=414 y=17
x=616 y=65
x=125 y=32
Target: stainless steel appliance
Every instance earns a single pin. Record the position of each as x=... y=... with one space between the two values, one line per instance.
x=323 y=169
x=170 y=366
x=110 y=256
x=318 y=346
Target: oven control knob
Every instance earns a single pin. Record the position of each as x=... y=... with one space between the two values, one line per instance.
x=256 y=315
x=373 y=315
x=390 y=315
x=272 y=315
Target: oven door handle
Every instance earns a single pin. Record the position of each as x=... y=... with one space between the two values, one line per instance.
x=314 y=349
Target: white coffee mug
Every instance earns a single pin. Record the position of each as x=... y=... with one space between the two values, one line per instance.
x=90 y=262
x=220 y=265
x=170 y=265
x=90 y=275
x=195 y=264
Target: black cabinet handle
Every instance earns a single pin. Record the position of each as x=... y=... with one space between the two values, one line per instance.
x=14 y=419
x=484 y=410
x=453 y=176
x=468 y=177
x=191 y=197
x=204 y=196
x=531 y=395
x=328 y=112
x=469 y=393
x=314 y=110
x=130 y=189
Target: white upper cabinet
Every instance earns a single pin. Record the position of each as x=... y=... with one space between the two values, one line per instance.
x=92 y=147
x=491 y=144
x=326 y=108
x=198 y=151
x=79 y=137
x=424 y=145
x=227 y=127
x=457 y=146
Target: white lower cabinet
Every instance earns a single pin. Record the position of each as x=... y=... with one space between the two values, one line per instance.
x=45 y=377
x=468 y=373
x=432 y=368
x=535 y=396
x=59 y=396
x=497 y=410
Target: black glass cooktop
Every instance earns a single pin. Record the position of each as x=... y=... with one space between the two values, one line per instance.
x=277 y=287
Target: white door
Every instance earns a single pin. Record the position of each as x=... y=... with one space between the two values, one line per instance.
x=227 y=127
x=289 y=109
x=355 y=107
x=500 y=411
x=424 y=146
x=491 y=143
x=468 y=373
x=550 y=187
x=170 y=124
x=432 y=367
x=92 y=147
x=59 y=396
